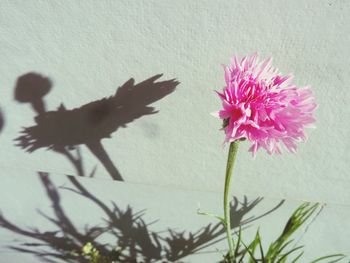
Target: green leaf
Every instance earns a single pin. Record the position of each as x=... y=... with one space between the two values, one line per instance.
x=238 y=242
x=284 y=246
x=255 y=242
x=284 y=256
x=297 y=258
x=296 y=220
x=252 y=259
x=261 y=249
x=340 y=257
x=251 y=246
x=199 y=212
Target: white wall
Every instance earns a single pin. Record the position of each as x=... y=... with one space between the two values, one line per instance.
x=90 y=48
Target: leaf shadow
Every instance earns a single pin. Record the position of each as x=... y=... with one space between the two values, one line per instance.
x=134 y=241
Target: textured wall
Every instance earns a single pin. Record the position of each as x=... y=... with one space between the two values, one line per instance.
x=88 y=49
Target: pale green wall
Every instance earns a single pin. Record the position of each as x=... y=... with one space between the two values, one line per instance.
x=90 y=48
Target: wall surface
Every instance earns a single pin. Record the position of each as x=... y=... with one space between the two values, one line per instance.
x=164 y=60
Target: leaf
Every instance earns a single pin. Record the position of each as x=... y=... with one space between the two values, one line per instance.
x=341 y=256
x=261 y=249
x=284 y=246
x=255 y=242
x=221 y=219
x=284 y=256
x=251 y=249
x=296 y=220
x=299 y=256
x=238 y=242
x=252 y=259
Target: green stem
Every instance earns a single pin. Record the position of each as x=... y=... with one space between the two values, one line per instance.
x=229 y=168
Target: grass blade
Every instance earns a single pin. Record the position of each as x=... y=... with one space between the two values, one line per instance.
x=297 y=258
x=340 y=257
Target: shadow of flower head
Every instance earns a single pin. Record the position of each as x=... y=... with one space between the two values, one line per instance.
x=64 y=129
x=31 y=88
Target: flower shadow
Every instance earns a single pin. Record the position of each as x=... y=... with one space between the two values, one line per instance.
x=63 y=130
x=134 y=241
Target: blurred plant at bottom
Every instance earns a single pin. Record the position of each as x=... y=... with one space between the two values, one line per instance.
x=94 y=255
x=283 y=248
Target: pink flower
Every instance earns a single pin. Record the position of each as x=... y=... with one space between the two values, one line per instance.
x=261 y=105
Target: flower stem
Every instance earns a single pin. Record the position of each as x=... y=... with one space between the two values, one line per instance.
x=227 y=219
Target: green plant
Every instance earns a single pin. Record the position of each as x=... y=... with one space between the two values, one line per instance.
x=94 y=255
x=282 y=249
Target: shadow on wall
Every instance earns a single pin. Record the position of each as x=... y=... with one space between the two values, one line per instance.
x=133 y=240
x=62 y=130
x=1 y=120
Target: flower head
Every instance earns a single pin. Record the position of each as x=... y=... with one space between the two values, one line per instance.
x=261 y=105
